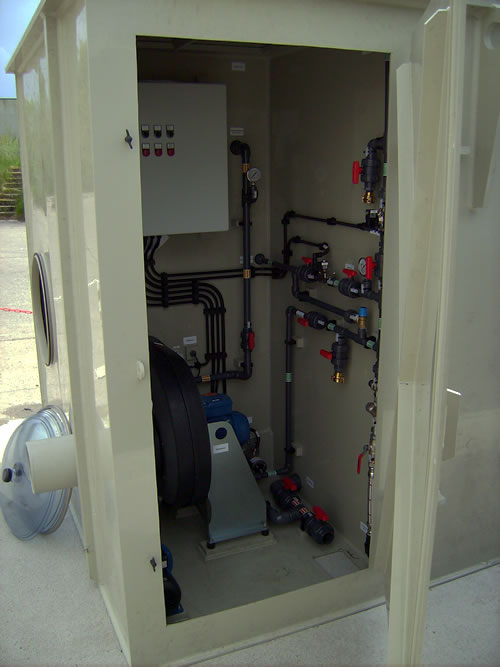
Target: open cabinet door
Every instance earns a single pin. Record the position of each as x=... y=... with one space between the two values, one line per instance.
x=430 y=104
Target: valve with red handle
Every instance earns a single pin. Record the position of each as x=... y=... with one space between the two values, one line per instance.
x=338 y=357
x=349 y=286
x=370 y=267
x=312 y=319
x=369 y=171
x=360 y=458
x=357 y=169
x=247 y=338
x=319 y=513
x=366 y=285
x=314 y=522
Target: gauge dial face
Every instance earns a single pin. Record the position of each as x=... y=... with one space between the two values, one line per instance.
x=254 y=174
x=362 y=266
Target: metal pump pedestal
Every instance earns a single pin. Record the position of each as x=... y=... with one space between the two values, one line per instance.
x=237 y=505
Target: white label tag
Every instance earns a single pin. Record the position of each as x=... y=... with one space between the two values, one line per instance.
x=237 y=131
x=238 y=66
x=220 y=448
x=190 y=340
x=364 y=527
x=309 y=482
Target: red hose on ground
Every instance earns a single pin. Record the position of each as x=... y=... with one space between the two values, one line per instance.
x=17 y=310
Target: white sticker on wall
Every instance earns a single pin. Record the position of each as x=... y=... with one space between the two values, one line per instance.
x=220 y=448
x=190 y=340
x=237 y=131
x=310 y=482
x=364 y=527
x=238 y=66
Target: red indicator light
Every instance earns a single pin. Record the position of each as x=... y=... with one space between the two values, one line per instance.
x=170 y=150
x=158 y=150
x=146 y=150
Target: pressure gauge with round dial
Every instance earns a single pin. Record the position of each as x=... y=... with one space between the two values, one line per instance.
x=362 y=266
x=254 y=174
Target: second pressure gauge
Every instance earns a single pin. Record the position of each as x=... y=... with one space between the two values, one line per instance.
x=254 y=174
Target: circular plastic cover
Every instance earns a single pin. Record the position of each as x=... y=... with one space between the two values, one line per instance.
x=26 y=513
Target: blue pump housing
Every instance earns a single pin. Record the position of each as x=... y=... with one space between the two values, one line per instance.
x=219 y=407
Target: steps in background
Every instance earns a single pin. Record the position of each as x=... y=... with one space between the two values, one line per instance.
x=10 y=193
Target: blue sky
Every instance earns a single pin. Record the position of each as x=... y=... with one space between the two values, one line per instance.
x=14 y=18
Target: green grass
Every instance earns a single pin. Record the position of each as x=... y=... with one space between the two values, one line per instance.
x=9 y=155
x=20 y=207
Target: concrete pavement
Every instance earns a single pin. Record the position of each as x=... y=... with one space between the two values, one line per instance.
x=19 y=385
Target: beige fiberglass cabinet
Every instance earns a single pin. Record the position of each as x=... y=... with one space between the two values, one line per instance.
x=265 y=250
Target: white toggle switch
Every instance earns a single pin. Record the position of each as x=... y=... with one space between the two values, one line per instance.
x=140 y=370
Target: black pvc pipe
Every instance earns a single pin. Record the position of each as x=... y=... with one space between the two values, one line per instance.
x=247 y=309
x=386 y=105
x=348 y=315
x=356 y=338
x=332 y=222
x=308 y=273
x=212 y=300
x=289 y=343
x=283 y=517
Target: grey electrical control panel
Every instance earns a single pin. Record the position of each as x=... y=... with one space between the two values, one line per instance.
x=183 y=156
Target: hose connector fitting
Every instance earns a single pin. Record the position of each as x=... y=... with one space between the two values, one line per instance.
x=338 y=377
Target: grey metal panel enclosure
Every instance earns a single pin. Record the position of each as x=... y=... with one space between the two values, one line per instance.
x=183 y=157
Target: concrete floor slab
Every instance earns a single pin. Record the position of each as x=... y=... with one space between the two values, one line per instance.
x=19 y=403
x=19 y=366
